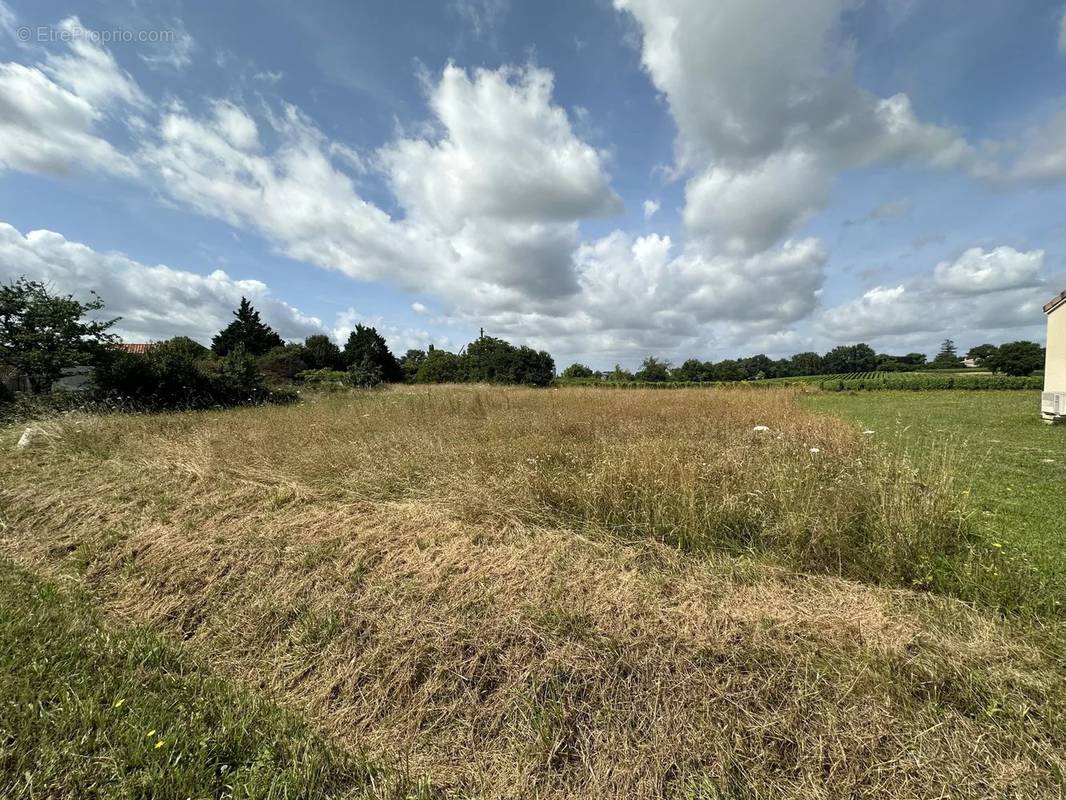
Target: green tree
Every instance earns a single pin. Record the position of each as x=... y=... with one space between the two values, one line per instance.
x=619 y=375
x=1018 y=358
x=366 y=373
x=982 y=353
x=320 y=352
x=693 y=370
x=850 y=358
x=576 y=370
x=440 y=366
x=247 y=332
x=533 y=367
x=948 y=355
x=283 y=364
x=652 y=370
x=410 y=362
x=366 y=344
x=42 y=333
x=808 y=363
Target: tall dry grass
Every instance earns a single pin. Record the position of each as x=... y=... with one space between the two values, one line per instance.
x=538 y=593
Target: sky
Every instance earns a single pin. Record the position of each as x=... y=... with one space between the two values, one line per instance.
x=604 y=180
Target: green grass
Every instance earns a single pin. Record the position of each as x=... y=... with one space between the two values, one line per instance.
x=88 y=713
x=1015 y=464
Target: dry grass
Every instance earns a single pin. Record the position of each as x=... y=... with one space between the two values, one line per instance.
x=562 y=593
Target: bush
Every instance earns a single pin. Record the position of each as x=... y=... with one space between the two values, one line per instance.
x=178 y=374
x=440 y=366
x=283 y=364
x=323 y=377
x=366 y=373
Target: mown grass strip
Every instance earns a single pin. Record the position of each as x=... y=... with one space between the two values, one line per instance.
x=89 y=713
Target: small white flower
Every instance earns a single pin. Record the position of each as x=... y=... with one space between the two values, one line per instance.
x=761 y=428
x=815 y=450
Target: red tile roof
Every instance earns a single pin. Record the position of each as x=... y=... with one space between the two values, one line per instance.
x=134 y=347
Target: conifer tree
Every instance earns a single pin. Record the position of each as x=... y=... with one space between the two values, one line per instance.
x=247 y=332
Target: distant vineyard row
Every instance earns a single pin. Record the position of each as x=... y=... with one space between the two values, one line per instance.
x=852 y=381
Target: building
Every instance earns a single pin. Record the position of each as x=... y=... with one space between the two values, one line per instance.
x=1053 y=400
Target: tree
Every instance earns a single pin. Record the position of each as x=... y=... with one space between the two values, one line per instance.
x=366 y=344
x=914 y=359
x=693 y=371
x=757 y=367
x=1018 y=358
x=948 y=356
x=653 y=370
x=439 y=366
x=533 y=367
x=577 y=371
x=619 y=375
x=806 y=364
x=247 y=332
x=850 y=358
x=982 y=353
x=42 y=333
x=321 y=353
x=283 y=364
x=410 y=362
x=366 y=373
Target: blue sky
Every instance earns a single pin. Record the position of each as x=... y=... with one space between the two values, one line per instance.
x=604 y=180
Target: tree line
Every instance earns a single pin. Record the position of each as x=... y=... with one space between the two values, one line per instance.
x=1013 y=358
x=43 y=335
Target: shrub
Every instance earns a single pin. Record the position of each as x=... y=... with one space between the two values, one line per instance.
x=323 y=377
x=440 y=366
x=172 y=375
x=366 y=373
x=283 y=364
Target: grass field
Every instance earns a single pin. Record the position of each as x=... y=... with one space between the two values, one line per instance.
x=574 y=593
x=1015 y=465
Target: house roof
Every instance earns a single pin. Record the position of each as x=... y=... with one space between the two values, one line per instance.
x=133 y=347
x=1055 y=302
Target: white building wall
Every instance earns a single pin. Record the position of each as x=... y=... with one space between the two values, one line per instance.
x=1055 y=365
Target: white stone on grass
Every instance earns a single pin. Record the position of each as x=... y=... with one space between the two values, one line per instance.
x=27 y=438
x=761 y=428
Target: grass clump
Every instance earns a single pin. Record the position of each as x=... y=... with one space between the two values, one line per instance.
x=86 y=713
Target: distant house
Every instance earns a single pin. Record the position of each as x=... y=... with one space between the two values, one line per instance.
x=134 y=347
x=970 y=363
x=1053 y=400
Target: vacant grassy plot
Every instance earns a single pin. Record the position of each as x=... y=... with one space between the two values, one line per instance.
x=572 y=593
x=1013 y=464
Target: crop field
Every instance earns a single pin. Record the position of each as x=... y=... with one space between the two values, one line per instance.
x=509 y=593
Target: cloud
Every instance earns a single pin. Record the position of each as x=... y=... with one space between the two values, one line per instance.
x=491 y=203
x=747 y=211
x=155 y=302
x=7 y=20
x=506 y=154
x=50 y=114
x=399 y=338
x=173 y=54
x=977 y=271
x=763 y=95
x=651 y=208
x=1062 y=32
x=1041 y=156
x=979 y=291
x=90 y=71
